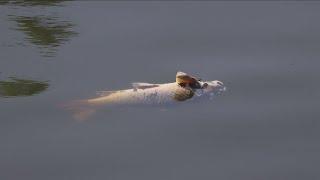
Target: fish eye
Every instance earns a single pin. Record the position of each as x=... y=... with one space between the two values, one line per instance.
x=205 y=85
x=183 y=84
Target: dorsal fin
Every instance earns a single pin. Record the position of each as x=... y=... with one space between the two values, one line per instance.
x=104 y=93
x=141 y=85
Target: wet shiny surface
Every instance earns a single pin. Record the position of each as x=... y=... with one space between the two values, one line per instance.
x=266 y=126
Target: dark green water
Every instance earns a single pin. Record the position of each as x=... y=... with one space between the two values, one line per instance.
x=266 y=126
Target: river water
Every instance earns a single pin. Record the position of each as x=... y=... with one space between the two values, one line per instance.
x=266 y=126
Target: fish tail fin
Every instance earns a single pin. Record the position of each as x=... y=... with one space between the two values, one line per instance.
x=81 y=110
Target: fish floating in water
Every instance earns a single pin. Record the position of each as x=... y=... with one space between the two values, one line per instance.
x=185 y=87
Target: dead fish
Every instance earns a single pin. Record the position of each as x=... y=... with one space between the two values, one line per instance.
x=183 y=89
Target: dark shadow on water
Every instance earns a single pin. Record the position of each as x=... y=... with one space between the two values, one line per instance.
x=15 y=87
x=48 y=33
x=45 y=31
x=32 y=2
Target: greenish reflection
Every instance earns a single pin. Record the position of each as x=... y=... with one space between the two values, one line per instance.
x=15 y=87
x=32 y=2
x=46 y=32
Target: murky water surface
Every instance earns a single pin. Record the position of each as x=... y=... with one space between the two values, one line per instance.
x=266 y=126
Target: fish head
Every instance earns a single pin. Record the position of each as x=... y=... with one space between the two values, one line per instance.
x=213 y=87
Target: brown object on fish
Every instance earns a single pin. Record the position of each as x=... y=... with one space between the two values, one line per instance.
x=184 y=80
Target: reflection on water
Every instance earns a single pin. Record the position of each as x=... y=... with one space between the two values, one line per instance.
x=21 y=87
x=46 y=32
x=32 y=2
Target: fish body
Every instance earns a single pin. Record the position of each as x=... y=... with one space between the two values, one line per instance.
x=183 y=89
x=156 y=94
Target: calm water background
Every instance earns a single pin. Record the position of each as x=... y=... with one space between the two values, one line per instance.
x=265 y=127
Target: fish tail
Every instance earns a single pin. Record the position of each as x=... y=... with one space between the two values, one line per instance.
x=81 y=109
